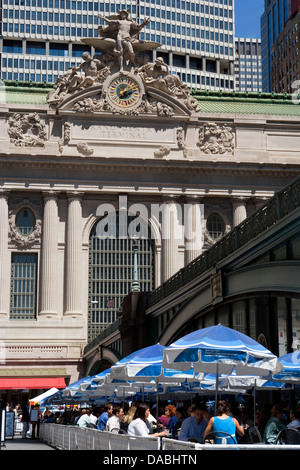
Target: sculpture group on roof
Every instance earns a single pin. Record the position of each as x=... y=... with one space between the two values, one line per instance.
x=123 y=52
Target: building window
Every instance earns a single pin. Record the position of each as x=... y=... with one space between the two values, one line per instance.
x=215 y=226
x=111 y=263
x=25 y=221
x=23 y=286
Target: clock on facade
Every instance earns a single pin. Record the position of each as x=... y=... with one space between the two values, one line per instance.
x=124 y=92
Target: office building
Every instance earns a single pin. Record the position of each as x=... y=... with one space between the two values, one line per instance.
x=247 y=65
x=275 y=16
x=285 y=56
x=40 y=39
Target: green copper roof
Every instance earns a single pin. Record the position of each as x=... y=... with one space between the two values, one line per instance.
x=209 y=101
x=216 y=107
x=243 y=103
x=25 y=93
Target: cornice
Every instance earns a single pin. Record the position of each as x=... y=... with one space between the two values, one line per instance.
x=141 y=165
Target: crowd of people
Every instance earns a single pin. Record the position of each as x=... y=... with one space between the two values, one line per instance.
x=193 y=423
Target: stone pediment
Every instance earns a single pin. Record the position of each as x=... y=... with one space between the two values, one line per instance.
x=120 y=79
x=143 y=99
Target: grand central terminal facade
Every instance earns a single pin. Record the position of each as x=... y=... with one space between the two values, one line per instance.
x=113 y=140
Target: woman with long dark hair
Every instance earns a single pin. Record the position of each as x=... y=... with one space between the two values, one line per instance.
x=223 y=422
x=139 y=426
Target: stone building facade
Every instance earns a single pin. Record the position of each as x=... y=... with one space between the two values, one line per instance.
x=126 y=138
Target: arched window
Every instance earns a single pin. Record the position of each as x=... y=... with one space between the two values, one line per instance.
x=215 y=226
x=111 y=263
x=25 y=221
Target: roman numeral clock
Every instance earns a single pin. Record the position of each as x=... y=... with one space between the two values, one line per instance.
x=124 y=90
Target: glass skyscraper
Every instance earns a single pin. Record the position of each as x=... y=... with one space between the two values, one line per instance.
x=273 y=19
x=41 y=39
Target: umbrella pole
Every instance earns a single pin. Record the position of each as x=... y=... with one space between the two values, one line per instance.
x=254 y=404
x=156 y=401
x=217 y=385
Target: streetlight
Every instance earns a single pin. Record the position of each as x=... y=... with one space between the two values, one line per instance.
x=135 y=285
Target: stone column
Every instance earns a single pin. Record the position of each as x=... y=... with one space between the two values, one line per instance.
x=169 y=247
x=239 y=210
x=4 y=255
x=49 y=255
x=73 y=284
x=193 y=228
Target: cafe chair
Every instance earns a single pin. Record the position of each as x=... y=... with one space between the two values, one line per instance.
x=253 y=434
x=219 y=437
x=288 y=436
x=118 y=431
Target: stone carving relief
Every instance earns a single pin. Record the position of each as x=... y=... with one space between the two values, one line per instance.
x=83 y=147
x=181 y=141
x=66 y=136
x=124 y=80
x=163 y=151
x=215 y=139
x=20 y=240
x=27 y=130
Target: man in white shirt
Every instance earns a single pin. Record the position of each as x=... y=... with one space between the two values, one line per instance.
x=113 y=423
x=84 y=419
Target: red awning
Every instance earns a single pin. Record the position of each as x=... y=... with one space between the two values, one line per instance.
x=32 y=383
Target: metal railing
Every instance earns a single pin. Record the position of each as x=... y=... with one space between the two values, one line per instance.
x=280 y=205
x=77 y=438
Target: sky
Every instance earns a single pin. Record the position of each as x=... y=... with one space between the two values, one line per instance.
x=247 y=18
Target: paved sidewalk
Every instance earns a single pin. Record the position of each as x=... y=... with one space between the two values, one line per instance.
x=17 y=443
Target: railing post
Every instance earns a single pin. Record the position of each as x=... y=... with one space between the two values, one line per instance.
x=278 y=206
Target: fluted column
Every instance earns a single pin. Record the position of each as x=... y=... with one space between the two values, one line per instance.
x=169 y=248
x=4 y=255
x=239 y=210
x=49 y=255
x=193 y=229
x=73 y=284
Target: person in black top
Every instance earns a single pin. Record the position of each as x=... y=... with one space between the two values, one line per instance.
x=25 y=419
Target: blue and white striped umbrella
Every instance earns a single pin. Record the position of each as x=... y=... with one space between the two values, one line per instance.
x=290 y=373
x=218 y=349
x=145 y=366
x=145 y=363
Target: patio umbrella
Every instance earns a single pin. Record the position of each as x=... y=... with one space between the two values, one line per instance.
x=42 y=396
x=252 y=382
x=218 y=349
x=290 y=373
x=145 y=362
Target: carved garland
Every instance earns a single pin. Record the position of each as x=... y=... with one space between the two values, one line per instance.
x=27 y=130
x=25 y=241
x=216 y=139
x=147 y=106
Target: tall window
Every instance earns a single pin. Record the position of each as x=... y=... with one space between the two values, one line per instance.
x=111 y=263
x=215 y=226
x=23 y=286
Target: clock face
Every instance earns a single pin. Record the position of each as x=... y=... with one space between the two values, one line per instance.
x=124 y=92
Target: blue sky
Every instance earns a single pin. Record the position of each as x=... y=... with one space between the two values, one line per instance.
x=247 y=18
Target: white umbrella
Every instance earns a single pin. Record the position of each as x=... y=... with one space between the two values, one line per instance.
x=44 y=395
x=219 y=349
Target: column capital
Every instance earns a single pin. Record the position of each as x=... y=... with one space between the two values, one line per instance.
x=50 y=194
x=71 y=195
x=170 y=197
x=193 y=198
x=5 y=193
x=239 y=199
